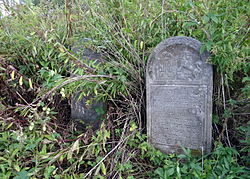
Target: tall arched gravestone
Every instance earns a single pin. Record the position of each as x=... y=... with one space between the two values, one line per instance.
x=179 y=86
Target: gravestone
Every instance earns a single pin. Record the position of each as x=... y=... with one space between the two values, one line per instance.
x=82 y=114
x=179 y=96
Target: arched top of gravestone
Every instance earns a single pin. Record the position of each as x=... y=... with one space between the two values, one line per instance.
x=178 y=60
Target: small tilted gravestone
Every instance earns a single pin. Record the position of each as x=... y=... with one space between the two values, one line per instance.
x=82 y=114
x=179 y=86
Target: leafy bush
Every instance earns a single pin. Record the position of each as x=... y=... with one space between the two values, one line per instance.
x=222 y=163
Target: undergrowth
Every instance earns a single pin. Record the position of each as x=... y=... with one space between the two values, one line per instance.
x=41 y=68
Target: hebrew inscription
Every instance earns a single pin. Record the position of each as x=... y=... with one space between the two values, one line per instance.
x=179 y=96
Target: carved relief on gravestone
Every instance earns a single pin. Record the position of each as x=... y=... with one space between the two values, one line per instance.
x=179 y=96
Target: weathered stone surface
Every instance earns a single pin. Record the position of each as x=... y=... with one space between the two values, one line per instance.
x=179 y=96
x=87 y=115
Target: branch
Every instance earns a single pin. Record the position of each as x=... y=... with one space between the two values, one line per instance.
x=120 y=142
x=71 y=80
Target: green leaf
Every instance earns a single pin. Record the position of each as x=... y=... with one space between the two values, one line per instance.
x=246 y=79
x=215 y=19
x=103 y=168
x=21 y=175
x=48 y=171
x=74 y=147
x=170 y=171
x=205 y=19
x=16 y=167
x=188 y=24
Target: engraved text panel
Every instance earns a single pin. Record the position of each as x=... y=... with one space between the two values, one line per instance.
x=178 y=115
